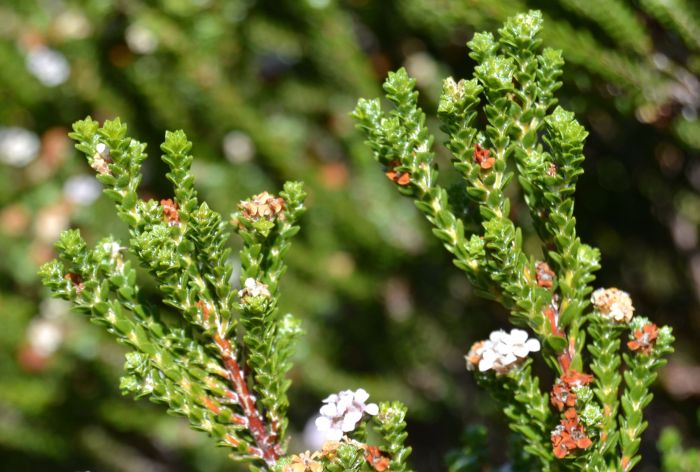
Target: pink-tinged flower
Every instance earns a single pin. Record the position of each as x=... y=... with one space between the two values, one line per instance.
x=613 y=304
x=501 y=351
x=342 y=411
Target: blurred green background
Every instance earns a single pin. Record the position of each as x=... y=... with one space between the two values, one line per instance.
x=263 y=89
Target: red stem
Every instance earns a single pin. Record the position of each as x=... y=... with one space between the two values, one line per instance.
x=552 y=314
x=266 y=442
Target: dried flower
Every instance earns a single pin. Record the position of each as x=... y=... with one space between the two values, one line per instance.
x=501 y=351
x=575 y=379
x=644 y=338
x=253 y=288
x=613 y=304
x=564 y=389
x=329 y=449
x=374 y=457
x=545 y=275
x=562 y=396
x=304 y=462
x=101 y=159
x=262 y=206
x=563 y=392
x=482 y=156
x=400 y=178
x=475 y=354
x=569 y=435
x=342 y=412
x=76 y=280
x=170 y=211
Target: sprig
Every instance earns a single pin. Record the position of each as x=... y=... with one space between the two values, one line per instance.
x=501 y=123
x=195 y=363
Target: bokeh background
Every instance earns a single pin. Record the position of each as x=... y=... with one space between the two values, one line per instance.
x=263 y=89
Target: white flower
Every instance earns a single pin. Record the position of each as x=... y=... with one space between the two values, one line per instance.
x=613 y=304
x=140 y=39
x=82 y=189
x=342 y=411
x=238 y=147
x=48 y=65
x=253 y=288
x=521 y=346
x=18 y=146
x=501 y=351
x=44 y=335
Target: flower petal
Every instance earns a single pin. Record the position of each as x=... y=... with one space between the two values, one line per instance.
x=533 y=345
x=361 y=395
x=331 y=398
x=350 y=420
x=520 y=351
x=323 y=424
x=334 y=434
x=372 y=409
x=518 y=336
x=329 y=410
x=497 y=336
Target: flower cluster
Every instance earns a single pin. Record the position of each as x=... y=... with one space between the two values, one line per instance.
x=170 y=211
x=304 y=462
x=644 y=338
x=101 y=159
x=400 y=178
x=375 y=458
x=314 y=461
x=569 y=435
x=545 y=275
x=502 y=351
x=253 y=288
x=613 y=304
x=262 y=206
x=564 y=390
x=483 y=157
x=342 y=411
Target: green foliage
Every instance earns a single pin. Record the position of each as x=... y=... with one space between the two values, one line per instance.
x=190 y=362
x=471 y=457
x=675 y=457
x=282 y=78
x=523 y=133
x=612 y=41
x=642 y=369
